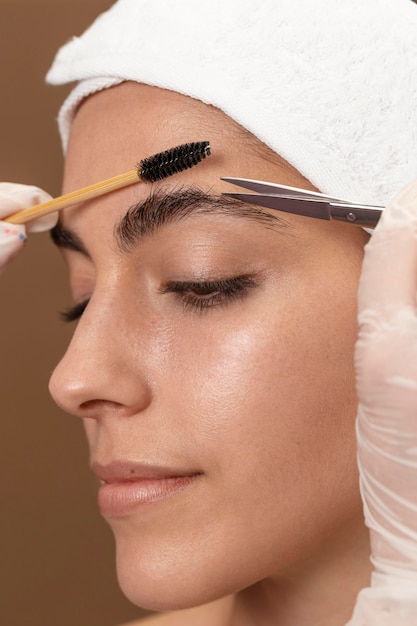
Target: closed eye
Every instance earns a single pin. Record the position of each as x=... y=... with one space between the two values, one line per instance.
x=74 y=313
x=201 y=295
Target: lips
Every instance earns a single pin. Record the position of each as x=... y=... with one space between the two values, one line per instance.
x=127 y=486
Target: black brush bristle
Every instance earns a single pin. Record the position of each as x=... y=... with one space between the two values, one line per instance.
x=173 y=161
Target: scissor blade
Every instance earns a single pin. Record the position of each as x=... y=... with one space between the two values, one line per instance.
x=297 y=206
x=263 y=187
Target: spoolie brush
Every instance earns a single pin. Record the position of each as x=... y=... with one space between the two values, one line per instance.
x=149 y=170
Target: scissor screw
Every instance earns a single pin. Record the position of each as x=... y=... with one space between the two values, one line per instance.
x=351 y=217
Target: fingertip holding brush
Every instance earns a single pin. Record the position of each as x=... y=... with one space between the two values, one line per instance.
x=149 y=170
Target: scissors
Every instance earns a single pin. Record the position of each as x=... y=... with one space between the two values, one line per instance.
x=303 y=202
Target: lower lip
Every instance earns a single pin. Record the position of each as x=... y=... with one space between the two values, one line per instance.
x=121 y=498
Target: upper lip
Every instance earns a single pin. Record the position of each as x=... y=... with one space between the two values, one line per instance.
x=127 y=471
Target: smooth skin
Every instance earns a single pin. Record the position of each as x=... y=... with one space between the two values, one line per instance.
x=251 y=391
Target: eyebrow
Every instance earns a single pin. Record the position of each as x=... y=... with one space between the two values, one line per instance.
x=145 y=218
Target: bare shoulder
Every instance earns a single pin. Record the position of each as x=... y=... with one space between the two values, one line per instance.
x=213 y=614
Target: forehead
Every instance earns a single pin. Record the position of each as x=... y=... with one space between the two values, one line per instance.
x=116 y=128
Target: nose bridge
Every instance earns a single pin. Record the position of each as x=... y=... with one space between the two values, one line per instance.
x=104 y=365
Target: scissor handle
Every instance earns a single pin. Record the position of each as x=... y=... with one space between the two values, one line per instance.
x=360 y=215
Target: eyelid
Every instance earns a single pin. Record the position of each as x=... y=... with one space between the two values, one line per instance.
x=219 y=292
x=223 y=290
x=74 y=312
x=180 y=285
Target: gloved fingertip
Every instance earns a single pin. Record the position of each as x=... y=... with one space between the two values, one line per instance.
x=402 y=210
x=40 y=196
x=10 y=232
x=43 y=223
x=12 y=240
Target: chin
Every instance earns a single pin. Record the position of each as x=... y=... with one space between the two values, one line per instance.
x=173 y=576
x=156 y=585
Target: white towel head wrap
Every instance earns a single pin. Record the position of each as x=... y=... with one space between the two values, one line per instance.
x=329 y=85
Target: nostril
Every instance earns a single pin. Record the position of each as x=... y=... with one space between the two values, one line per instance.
x=98 y=408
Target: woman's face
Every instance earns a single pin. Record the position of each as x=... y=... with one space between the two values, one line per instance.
x=212 y=366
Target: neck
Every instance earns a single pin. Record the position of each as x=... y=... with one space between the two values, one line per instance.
x=320 y=591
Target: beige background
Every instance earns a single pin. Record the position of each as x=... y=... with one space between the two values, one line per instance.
x=56 y=554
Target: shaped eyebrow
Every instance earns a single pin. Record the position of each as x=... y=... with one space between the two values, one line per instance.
x=145 y=218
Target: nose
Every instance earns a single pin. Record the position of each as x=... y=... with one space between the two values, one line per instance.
x=102 y=372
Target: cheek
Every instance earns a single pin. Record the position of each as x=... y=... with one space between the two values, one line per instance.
x=270 y=393
x=272 y=361
x=265 y=401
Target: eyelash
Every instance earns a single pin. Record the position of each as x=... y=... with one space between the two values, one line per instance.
x=74 y=313
x=199 y=295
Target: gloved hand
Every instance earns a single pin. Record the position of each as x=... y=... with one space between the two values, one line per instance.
x=13 y=198
x=386 y=362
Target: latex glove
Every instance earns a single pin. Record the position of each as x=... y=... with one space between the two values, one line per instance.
x=386 y=361
x=14 y=197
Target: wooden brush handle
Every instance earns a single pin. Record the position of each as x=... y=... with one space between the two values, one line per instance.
x=86 y=193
